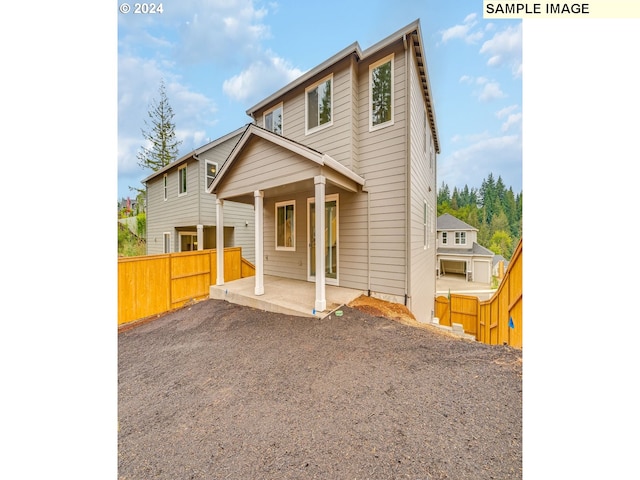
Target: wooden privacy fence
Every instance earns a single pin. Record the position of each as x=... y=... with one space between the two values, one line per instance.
x=153 y=284
x=495 y=321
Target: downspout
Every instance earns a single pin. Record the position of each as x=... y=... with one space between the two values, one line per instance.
x=199 y=184
x=407 y=172
x=364 y=189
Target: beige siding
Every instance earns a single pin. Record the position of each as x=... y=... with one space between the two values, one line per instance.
x=177 y=211
x=423 y=189
x=263 y=165
x=337 y=140
x=185 y=212
x=382 y=161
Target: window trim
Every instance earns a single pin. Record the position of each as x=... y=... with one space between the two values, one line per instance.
x=271 y=110
x=166 y=236
x=425 y=242
x=372 y=67
x=180 y=176
x=206 y=172
x=165 y=186
x=307 y=130
x=191 y=234
x=460 y=236
x=285 y=204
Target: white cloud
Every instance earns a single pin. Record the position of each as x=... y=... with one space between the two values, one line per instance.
x=261 y=78
x=513 y=121
x=513 y=118
x=501 y=155
x=225 y=32
x=464 y=31
x=192 y=110
x=491 y=91
x=505 y=48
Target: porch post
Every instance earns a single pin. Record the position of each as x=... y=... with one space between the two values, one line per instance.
x=200 y=229
x=321 y=301
x=219 y=242
x=259 y=239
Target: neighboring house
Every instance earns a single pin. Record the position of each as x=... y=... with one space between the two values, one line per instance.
x=356 y=134
x=181 y=214
x=500 y=265
x=459 y=252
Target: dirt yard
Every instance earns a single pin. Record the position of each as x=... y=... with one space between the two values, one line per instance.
x=216 y=391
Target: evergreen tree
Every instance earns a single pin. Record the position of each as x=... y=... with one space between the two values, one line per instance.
x=443 y=193
x=501 y=244
x=160 y=134
x=493 y=209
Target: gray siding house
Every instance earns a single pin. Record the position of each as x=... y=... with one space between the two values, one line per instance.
x=357 y=135
x=459 y=251
x=181 y=214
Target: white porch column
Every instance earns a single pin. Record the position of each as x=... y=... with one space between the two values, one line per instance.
x=259 y=218
x=200 y=229
x=321 y=300
x=219 y=242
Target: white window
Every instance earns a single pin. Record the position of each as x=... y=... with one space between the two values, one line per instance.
x=167 y=242
x=164 y=186
x=285 y=226
x=319 y=104
x=444 y=238
x=272 y=120
x=461 y=238
x=381 y=93
x=182 y=179
x=212 y=171
x=424 y=225
x=188 y=241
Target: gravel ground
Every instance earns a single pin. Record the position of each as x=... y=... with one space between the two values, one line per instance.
x=216 y=391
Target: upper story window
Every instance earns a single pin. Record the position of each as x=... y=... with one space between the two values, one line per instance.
x=444 y=238
x=182 y=179
x=285 y=225
x=165 y=186
x=381 y=93
x=212 y=170
x=461 y=238
x=272 y=119
x=319 y=104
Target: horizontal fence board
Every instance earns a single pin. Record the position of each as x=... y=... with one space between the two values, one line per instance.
x=154 y=284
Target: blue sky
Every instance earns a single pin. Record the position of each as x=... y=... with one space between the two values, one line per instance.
x=218 y=58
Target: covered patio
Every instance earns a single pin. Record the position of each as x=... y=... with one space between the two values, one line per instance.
x=283 y=295
x=265 y=168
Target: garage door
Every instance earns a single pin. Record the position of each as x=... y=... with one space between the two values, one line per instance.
x=452 y=266
x=481 y=272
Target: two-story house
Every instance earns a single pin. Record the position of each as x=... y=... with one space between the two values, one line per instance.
x=181 y=214
x=340 y=168
x=459 y=252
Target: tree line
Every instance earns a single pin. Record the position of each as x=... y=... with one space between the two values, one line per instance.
x=493 y=209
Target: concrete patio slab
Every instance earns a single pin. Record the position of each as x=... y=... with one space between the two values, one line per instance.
x=283 y=295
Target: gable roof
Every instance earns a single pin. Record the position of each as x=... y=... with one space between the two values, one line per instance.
x=449 y=222
x=194 y=153
x=411 y=33
x=319 y=158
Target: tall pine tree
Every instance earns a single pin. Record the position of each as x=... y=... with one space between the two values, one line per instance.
x=160 y=134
